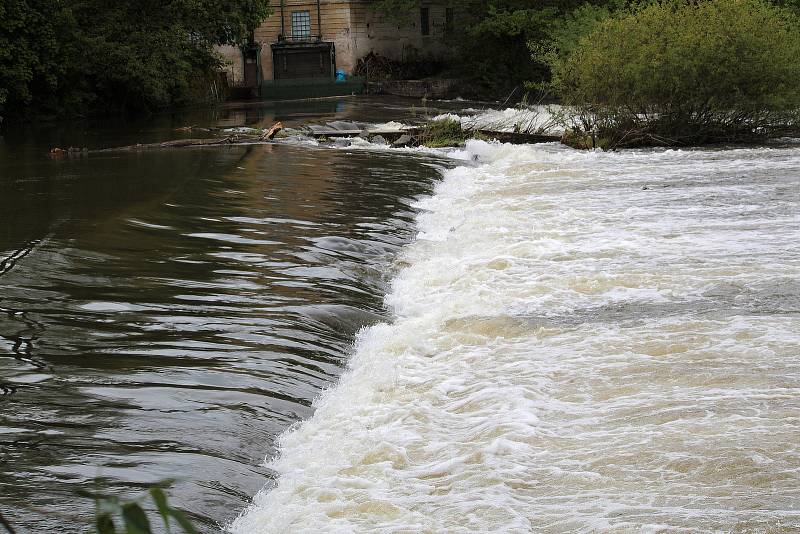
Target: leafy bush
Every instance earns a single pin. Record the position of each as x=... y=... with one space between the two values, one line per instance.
x=686 y=72
x=564 y=33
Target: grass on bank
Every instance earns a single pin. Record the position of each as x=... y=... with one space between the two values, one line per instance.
x=443 y=133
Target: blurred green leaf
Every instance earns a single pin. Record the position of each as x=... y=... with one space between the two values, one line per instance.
x=160 y=498
x=105 y=524
x=135 y=519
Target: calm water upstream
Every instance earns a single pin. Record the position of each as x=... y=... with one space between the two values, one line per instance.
x=167 y=314
x=574 y=342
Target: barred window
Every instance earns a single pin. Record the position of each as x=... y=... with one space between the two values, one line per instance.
x=448 y=20
x=301 y=24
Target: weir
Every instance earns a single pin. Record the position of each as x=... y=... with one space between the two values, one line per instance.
x=410 y=134
x=572 y=349
x=533 y=338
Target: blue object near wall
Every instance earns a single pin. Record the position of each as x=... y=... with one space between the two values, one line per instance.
x=340 y=76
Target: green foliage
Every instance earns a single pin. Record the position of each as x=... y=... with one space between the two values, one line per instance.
x=793 y=5
x=71 y=57
x=31 y=50
x=495 y=50
x=478 y=136
x=442 y=133
x=398 y=11
x=111 y=511
x=494 y=38
x=564 y=33
x=686 y=72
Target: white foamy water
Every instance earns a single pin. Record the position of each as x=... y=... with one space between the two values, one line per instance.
x=531 y=119
x=583 y=342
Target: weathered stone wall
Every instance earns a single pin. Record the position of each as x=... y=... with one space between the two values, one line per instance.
x=232 y=56
x=335 y=26
x=354 y=28
x=400 y=41
x=420 y=88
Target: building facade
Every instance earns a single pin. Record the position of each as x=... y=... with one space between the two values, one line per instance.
x=313 y=39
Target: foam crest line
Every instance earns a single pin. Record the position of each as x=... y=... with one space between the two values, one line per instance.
x=582 y=342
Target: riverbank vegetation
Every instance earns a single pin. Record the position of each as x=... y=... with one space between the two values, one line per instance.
x=76 y=57
x=490 y=40
x=683 y=73
x=630 y=73
x=671 y=72
x=442 y=133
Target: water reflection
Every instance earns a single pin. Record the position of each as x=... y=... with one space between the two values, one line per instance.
x=168 y=314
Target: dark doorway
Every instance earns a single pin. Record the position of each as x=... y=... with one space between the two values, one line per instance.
x=306 y=60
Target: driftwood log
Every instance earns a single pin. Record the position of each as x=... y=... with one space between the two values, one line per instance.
x=518 y=138
x=178 y=143
x=390 y=136
x=272 y=132
x=268 y=135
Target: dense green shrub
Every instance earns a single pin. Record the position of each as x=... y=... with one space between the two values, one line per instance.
x=686 y=72
x=32 y=50
x=564 y=33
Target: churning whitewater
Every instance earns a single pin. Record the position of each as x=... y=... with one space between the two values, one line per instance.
x=582 y=342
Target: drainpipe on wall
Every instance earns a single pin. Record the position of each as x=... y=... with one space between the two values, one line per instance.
x=319 y=21
x=283 y=28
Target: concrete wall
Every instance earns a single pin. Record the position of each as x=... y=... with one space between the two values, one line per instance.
x=232 y=56
x=399 y=41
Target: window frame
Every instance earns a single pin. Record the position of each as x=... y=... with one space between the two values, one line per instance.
x=449 y=20
x=425 y=21
x=301 y=20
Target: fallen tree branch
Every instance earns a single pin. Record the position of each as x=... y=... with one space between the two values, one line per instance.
x=272 y=132
x=238 y=139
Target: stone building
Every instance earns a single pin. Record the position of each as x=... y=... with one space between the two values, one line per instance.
x=313 y=39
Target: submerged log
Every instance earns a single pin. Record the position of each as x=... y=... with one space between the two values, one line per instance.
x=178 y=143
x=519 y=138
x=392 y=136
x=268 y=135
x=389 y=136
x=407 y=136
x=68 y=152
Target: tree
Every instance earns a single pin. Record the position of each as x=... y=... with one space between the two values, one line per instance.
x=78 y=56
x=686 y=72
x=31 y=55
x=495 y=37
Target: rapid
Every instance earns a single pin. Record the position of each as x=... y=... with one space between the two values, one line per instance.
x=577 y=342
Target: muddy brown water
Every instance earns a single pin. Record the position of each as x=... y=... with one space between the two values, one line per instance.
x=167 y=314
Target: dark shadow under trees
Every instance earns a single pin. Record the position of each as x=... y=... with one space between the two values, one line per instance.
x=77 y=57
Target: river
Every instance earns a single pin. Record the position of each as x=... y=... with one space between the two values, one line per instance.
x=533 y=339
x=167 y=314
